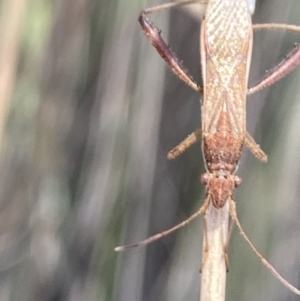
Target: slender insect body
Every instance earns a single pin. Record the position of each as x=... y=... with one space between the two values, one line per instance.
x=226 y=48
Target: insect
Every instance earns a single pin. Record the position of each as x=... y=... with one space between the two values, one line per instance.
x=226 y=47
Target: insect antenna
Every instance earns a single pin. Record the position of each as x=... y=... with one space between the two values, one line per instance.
x=164 y=233
x=263 y=260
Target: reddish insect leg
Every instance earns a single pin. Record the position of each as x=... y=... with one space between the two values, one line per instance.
x=288 y=64
x=153 y=34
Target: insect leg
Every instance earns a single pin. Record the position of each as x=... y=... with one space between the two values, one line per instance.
x=294 y=28
x=206 y=246
x=154 y=36
x=232 y=222
x=185 y=144
x=171 y=4
x=288 y=64
x=255 y=148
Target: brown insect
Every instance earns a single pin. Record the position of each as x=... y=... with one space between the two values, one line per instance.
x=226 y=47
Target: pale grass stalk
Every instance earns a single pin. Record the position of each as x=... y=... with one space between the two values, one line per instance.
x=215 y=236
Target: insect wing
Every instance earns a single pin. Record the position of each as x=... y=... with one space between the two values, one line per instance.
x=226 y=48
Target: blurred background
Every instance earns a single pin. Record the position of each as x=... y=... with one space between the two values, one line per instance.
x=88 y=113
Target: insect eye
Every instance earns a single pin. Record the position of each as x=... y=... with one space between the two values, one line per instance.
x=237 y=181
x=204 y=178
